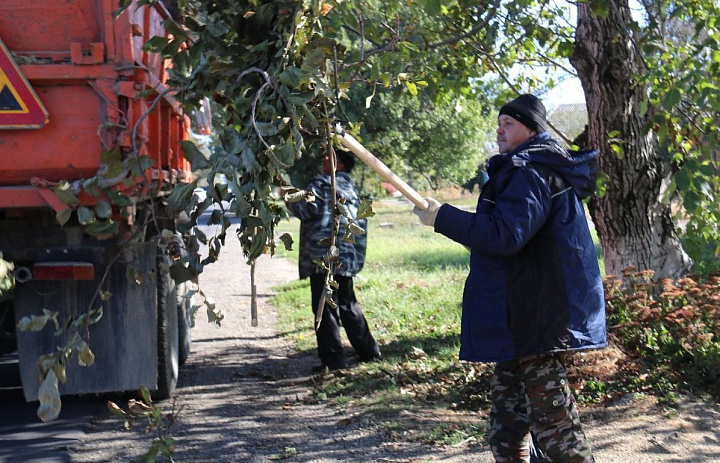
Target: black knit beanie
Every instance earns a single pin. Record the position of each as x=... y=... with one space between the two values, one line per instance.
x=346 y=158
x=528 y=110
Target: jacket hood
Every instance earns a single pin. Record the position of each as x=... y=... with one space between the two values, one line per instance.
x=577 y=168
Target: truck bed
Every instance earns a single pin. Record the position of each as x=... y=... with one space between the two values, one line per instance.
x=87 y=69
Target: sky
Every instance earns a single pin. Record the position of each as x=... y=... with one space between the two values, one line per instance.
x=568 y=92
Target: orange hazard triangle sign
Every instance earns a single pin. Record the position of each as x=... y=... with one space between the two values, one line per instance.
x=20 y=107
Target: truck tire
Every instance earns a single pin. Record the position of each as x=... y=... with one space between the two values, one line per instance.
x=8 y=343
x=168 y=346
x=184 y=305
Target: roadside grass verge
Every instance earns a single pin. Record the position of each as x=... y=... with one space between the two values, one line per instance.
x=663 y=337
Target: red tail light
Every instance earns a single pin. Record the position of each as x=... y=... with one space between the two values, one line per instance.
x=63 y=271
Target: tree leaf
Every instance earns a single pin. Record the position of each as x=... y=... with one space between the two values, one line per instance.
x=145 y=395
x=85 y=357
x=49 y=397
x=122 y=6
x=215 y=217
x=104 y=229
x=365 y=209
x=63 y=216
x=180 y=196
x=249 y=162
x=112 y=170
x=115 y=410
x=671 y=99
x=411 y=87
x=109 y=156
x=213 y=314
x=291 y=77
x=196 y=158
x=355 y=229
x=139 y=165
x=156 y=44
x=85 y=215
x=287 y=241
x=35 y=322
x=94 y=316
x=64 y=192
x=90 y=186
x=103 y=209
x=682 y=179
x=179 y=273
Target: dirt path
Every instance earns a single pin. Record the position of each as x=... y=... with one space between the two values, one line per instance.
x=243 y=394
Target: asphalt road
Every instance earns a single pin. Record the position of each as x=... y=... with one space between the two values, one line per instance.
x=26 y=439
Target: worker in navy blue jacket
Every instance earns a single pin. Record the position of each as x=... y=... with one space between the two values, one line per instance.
x=534 y=290
x=315 y=228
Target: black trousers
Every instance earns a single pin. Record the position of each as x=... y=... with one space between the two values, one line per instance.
x=348 y=313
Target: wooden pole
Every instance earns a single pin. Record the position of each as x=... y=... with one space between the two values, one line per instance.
x=253 y=296
x=375 y=164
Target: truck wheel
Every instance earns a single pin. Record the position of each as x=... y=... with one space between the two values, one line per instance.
x=184 y=305
x=167 y=331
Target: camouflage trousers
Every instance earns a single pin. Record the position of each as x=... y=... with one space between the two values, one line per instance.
x=533 y=394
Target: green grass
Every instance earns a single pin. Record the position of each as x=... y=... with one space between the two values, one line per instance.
x=410 y=288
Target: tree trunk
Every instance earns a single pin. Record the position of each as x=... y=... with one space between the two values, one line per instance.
x=634 y=226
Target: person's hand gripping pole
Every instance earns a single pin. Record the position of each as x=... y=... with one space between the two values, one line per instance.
x=427 y=215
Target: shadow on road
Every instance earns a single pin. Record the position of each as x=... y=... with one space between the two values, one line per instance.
x=23 y=437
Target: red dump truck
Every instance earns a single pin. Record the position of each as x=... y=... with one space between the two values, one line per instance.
x=90 y=136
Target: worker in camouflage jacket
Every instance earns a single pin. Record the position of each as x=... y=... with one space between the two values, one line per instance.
x=316 y=225
x=534 y=290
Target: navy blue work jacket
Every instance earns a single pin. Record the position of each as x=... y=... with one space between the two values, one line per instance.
x=316 y=225
x=534 y=284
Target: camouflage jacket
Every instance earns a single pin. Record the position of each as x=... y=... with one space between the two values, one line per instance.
x=316 y=225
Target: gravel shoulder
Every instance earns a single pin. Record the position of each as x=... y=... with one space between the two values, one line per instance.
x=243 y=397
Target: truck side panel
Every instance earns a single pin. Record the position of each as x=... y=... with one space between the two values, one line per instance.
x=50 y=26
x=69 y=146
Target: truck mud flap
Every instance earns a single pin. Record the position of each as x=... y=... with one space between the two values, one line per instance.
x=124 y=341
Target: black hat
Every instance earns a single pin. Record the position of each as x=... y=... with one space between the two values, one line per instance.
x=346 y=158
x=528 y=110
